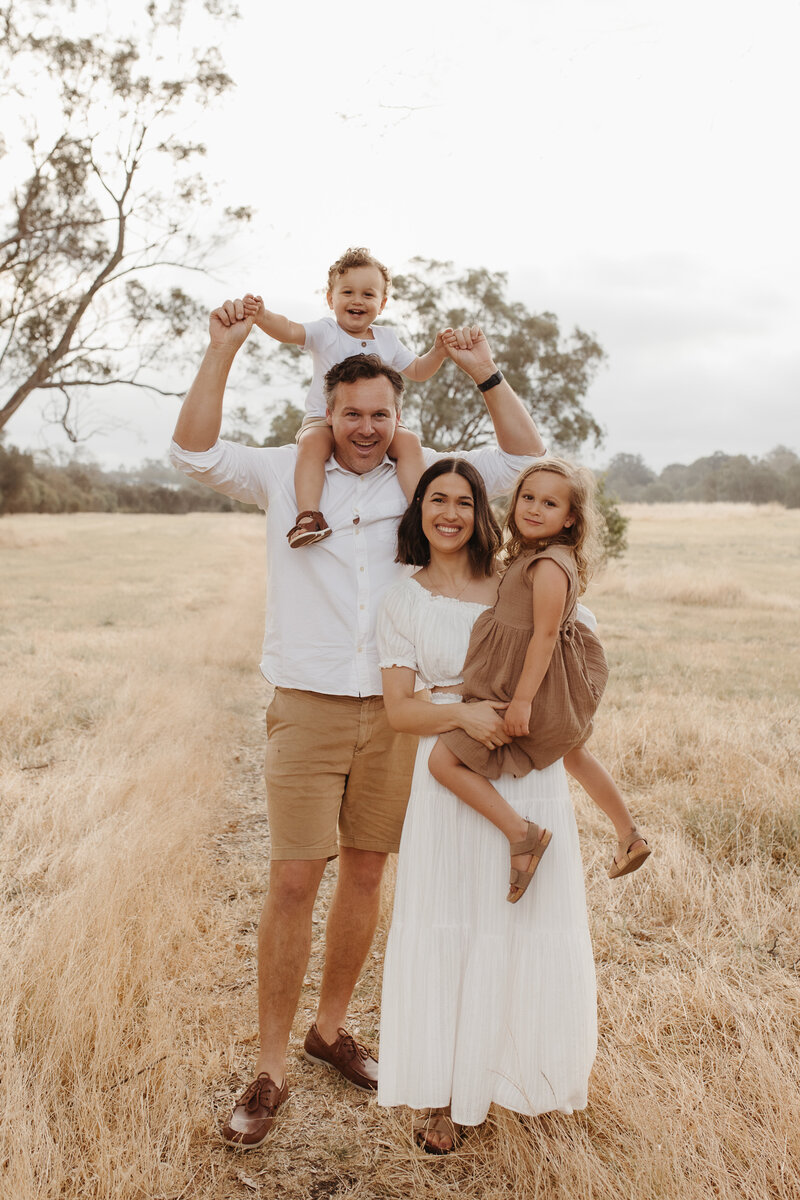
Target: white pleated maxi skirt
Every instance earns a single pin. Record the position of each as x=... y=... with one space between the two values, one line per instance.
x=485 y=1001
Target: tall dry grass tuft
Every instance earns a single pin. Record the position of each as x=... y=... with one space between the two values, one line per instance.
x=133 y=861
x=117 y=730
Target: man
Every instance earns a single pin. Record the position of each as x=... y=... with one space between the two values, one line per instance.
x=337 y=776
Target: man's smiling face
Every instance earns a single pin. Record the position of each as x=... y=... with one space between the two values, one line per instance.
x=363 y=420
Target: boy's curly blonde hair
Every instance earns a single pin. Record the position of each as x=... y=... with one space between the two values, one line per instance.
x=582 y=537
x=357 y=256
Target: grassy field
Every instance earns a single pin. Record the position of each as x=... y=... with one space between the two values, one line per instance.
x=134 y=844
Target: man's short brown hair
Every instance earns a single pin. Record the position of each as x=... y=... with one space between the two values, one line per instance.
x=362 y=366
x=357 y=256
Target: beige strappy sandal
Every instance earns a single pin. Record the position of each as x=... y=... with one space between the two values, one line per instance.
x=535 y=843
x=437 y=1121
x=629 y=860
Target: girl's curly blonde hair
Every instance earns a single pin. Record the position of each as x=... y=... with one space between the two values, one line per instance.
x=582 y=537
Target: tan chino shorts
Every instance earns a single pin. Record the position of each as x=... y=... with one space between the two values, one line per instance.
x=337 y=775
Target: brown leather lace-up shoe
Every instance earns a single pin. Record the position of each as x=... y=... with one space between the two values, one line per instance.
x=345 y=1055
x=254 y=1113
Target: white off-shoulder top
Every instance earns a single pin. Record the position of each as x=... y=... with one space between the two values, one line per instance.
x=428 y=633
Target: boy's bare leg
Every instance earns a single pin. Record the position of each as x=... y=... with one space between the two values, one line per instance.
x=478 y=793
x=600 y=787
x=284 y=944
x=406 y=450
x=351 y=926
x=314 y=448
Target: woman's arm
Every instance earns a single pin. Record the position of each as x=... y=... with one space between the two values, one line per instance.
x=549 y=597
x=407 y=714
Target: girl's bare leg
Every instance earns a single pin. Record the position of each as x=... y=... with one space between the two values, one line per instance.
x=478 y=793
x=599 y=785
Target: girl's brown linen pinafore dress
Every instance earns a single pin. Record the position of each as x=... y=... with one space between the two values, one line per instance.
x=567 y=699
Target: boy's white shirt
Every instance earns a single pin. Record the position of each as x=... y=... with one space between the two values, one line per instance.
x=323 y=600
x=328 y=344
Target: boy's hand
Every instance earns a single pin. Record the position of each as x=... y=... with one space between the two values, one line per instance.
x=229 y=325
x=470 y=350
x=518 y=718
x=442 y=339
x=253 y=307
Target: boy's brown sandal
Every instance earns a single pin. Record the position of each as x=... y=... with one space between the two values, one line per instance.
x=254 y=1113
x=309 y=527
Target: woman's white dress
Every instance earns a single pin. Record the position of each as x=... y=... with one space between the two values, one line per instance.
x=482 y=1000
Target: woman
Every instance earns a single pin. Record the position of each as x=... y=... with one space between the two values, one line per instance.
x=482 y=1000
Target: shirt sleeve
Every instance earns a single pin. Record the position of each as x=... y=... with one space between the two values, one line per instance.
x=320 y=336
x=586 y=617
x=393 y=351
x=244 y=473
x=498 y=469
x=395 y=629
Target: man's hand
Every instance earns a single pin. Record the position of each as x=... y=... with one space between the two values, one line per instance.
x=470 y=351
x=229 y=325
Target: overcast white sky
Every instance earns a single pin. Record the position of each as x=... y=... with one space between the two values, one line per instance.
x=631 y=164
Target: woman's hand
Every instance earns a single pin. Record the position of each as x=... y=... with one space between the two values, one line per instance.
x=483 y=722
x=518 y=718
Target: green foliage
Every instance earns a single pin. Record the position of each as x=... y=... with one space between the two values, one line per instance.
x=550 y=373
x=28 y=485
x=284 y=426
x=613 y=528
x=106 y=199
x=775 y=477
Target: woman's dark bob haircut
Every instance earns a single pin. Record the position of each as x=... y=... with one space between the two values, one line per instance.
x=412 y=545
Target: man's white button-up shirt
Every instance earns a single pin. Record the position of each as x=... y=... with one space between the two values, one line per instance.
x=322 y=600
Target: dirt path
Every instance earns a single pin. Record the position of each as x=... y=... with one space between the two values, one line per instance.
x=327 y=1141
x=331 y=1139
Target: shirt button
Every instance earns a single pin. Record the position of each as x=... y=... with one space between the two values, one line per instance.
x=364 y=344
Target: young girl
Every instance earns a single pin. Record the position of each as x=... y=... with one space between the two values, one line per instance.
x=529 y=653
x=358 y=288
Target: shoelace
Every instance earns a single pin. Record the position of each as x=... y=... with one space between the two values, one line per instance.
x=259 y=1093
x=349 y=1042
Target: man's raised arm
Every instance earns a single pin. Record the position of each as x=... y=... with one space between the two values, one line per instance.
x=513 y=425
x=200 y=417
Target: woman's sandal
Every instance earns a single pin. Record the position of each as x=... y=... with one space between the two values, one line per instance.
x=309 y=527
x=439 y=1122
x=629 y=859
x=534 y=843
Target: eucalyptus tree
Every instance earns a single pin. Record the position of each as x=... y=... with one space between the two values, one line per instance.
x=101 y=228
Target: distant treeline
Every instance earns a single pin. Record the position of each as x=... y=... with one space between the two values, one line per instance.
x=33 y=484
x=773 y=478
x=30 y=483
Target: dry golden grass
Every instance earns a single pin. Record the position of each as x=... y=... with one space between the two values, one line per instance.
x=133 y=845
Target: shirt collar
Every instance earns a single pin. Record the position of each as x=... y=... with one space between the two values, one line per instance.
x=386 y=463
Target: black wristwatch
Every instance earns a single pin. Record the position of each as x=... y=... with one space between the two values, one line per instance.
x=491 y=382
